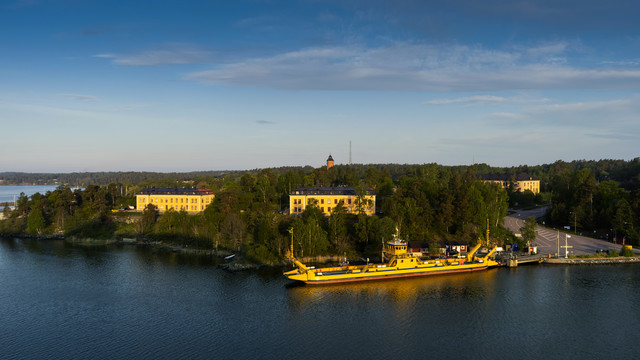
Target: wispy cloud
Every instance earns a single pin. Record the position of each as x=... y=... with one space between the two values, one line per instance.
x=617 y=136
x=589 y=106
x=80 y=97
x=96 y=30
x=169 y=54
x=417 y=67
x=265 y=122
x=469 y=99
x=618 y=117
x=506 y=116
x=486 y=99
x=630 y=62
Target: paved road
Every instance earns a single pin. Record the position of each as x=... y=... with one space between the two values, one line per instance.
x=549 y=241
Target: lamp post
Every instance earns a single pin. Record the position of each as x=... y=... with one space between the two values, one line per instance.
x=566 y=246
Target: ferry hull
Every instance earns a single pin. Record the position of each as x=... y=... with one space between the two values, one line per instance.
x=356 y=274
x=389 y=277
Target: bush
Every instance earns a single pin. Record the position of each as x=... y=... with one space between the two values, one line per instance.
x=613 y=253
x=626 y=251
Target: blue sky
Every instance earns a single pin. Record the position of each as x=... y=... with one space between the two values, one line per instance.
x=212 y=85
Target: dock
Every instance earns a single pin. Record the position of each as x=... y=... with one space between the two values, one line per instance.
x=522 y=260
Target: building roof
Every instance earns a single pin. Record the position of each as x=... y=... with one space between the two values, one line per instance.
x=174 y=191
x=507 y=177
x=340 y=190
x=330 y=158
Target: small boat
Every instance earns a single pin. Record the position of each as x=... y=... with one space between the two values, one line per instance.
x=399 y=263
x=227 y=258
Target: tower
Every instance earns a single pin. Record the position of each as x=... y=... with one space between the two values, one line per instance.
x=329 y=162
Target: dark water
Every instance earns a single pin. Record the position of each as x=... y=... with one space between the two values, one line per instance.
x=62 y=302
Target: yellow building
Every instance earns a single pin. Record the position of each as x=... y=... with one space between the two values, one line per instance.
x=327 y=198
x=189 y=200
x=521 y=182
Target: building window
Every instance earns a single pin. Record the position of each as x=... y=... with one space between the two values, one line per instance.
x=322 y=209
x=322 y=201
x=328 y=201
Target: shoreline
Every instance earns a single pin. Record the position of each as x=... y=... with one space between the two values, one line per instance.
x=241 y=264
x=593 y=261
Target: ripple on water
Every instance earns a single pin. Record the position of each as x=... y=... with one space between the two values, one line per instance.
x=62 y=302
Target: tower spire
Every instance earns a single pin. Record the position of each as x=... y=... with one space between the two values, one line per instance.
x=329 y=162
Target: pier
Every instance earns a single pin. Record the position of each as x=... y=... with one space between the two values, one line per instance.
x=521 y=260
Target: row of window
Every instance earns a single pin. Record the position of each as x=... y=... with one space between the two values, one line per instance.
x=170 y=200
x=182 y=207
x=335 y=201
x=329 y=208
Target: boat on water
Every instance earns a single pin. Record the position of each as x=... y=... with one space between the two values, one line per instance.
x=397 y=262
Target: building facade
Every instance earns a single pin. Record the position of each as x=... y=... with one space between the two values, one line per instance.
x=520 y=182
x=189 y=200
x=327 y=198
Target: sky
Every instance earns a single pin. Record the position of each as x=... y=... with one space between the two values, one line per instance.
x=176 y=86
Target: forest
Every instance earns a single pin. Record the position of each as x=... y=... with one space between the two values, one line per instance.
x=428 y=203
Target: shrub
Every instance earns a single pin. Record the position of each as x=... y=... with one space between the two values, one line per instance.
x=626 y=251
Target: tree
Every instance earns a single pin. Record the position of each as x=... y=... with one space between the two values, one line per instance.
x=35 y=222
x=528 y=231
x=363 y=203
x=148 y=220
x=234 y=229
x=338 y=228
x=623 y=220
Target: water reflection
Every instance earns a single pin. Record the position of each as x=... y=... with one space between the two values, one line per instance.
x=128 y=302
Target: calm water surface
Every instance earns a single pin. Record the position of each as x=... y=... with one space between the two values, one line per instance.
x=9 y=192
x=62 y=302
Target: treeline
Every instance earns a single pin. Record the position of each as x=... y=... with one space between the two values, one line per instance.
x=606 y=209
x=430 y=203
x=621 y=171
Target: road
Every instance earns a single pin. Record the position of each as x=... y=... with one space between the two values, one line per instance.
x=550 y=241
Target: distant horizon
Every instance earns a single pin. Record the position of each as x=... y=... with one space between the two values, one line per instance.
x=303 y=166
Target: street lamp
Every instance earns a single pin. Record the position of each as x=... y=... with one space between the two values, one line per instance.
x=575 y=221
x=566 y=247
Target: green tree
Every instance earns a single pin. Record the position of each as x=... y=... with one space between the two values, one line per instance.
x=528 y=231
x=148 y=220
x=362 y=203
x=35 y=222
x=338 y=228
x=623 y=220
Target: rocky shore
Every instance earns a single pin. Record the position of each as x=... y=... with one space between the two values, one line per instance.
x=594 y=261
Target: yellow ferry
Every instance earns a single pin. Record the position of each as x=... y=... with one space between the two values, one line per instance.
x=400 y=262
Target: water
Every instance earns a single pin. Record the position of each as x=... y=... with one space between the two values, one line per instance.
x=63 y=302
x=7 y=192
